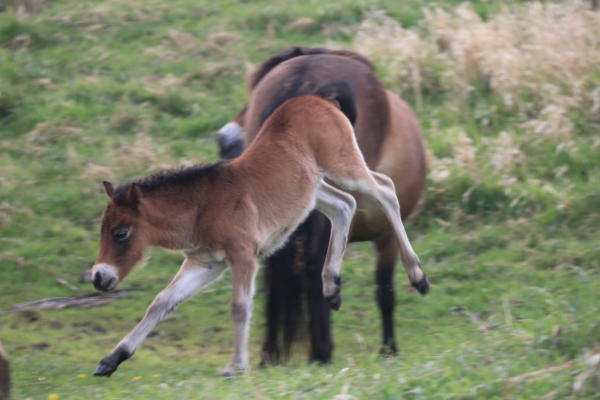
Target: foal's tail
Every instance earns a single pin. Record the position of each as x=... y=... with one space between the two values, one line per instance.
x=341 y=91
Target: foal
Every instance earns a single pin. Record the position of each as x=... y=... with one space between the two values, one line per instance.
x=228 y=214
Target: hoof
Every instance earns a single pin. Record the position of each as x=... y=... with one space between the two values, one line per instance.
x=109 y=364
x=104 y=369
x=335 y=301
x=228 y=371
x=388 y=351
x=423 y=286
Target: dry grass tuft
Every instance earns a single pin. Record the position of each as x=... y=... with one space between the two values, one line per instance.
x=506 y=153
x=123 y=121
x=23 y=7
x=183 y=40
x=302 y=25
x=36 y=139
x=224 y=38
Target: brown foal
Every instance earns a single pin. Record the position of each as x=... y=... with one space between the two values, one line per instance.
x=228 y=214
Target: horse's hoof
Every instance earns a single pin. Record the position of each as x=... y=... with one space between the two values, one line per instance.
x=388 y=351
x=423 y=286
x=335 y=301
x=228 y=372
x=104 y=369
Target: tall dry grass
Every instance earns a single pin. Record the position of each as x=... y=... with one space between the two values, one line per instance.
x=539 y=61
x=539 y=58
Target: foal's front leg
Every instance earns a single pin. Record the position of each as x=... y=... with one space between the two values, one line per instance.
x=243 y=271
x=193 y=275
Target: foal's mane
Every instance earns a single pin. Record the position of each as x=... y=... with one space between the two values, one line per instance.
x=296 y=51
x=168 y=178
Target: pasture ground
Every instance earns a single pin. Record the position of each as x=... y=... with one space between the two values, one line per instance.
x=110 y=90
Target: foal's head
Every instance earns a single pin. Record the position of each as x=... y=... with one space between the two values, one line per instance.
x=122 y=240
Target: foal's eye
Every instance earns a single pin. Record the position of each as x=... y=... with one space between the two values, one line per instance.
x=121 y=234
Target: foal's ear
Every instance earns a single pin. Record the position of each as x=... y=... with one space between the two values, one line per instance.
x=109 y=189
x=132 y=197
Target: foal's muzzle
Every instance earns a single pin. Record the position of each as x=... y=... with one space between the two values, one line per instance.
x=104 y=278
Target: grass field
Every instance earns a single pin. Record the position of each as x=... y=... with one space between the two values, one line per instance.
x=508 y=95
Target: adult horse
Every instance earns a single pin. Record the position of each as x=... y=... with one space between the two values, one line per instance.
x=389 y=137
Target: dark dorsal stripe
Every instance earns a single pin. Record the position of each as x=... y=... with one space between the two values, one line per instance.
x=339 y=90
x=296 y=51
x=169 y=178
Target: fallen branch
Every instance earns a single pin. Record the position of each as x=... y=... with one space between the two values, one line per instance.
x=519 y=378
x=83 y=301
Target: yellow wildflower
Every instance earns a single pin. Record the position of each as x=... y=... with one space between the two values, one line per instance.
x=53 y=396
x=82 y=375
x=155 y=375
x=137 y=378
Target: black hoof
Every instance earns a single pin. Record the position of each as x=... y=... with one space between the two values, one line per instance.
x=388 y=351
x=335 y=301
x=105 y=369
x=109 y=364
x=423 y=286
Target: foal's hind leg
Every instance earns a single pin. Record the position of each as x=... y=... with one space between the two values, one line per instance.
x=382 y=189
x=339 y=207
x=193 y=275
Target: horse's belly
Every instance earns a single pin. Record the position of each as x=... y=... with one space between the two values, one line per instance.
x=275 y=236
x=370 y=222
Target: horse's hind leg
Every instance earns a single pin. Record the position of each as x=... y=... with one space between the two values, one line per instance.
x=192 y=276
x=387 y=252
x=382 y=189
x=339 y=207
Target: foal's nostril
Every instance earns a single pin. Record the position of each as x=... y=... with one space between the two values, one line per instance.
x=98 y=281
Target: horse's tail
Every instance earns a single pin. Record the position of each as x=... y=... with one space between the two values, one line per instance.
x=341 y=91
x=294 y=288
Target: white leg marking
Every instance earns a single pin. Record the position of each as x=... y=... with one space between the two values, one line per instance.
x=243 y=276
x=192 y=276
x=339 y=207
x=389 y=202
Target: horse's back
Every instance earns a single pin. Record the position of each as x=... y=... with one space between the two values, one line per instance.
x=303 y=74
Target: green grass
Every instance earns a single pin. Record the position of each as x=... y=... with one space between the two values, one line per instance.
x=92 y=93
